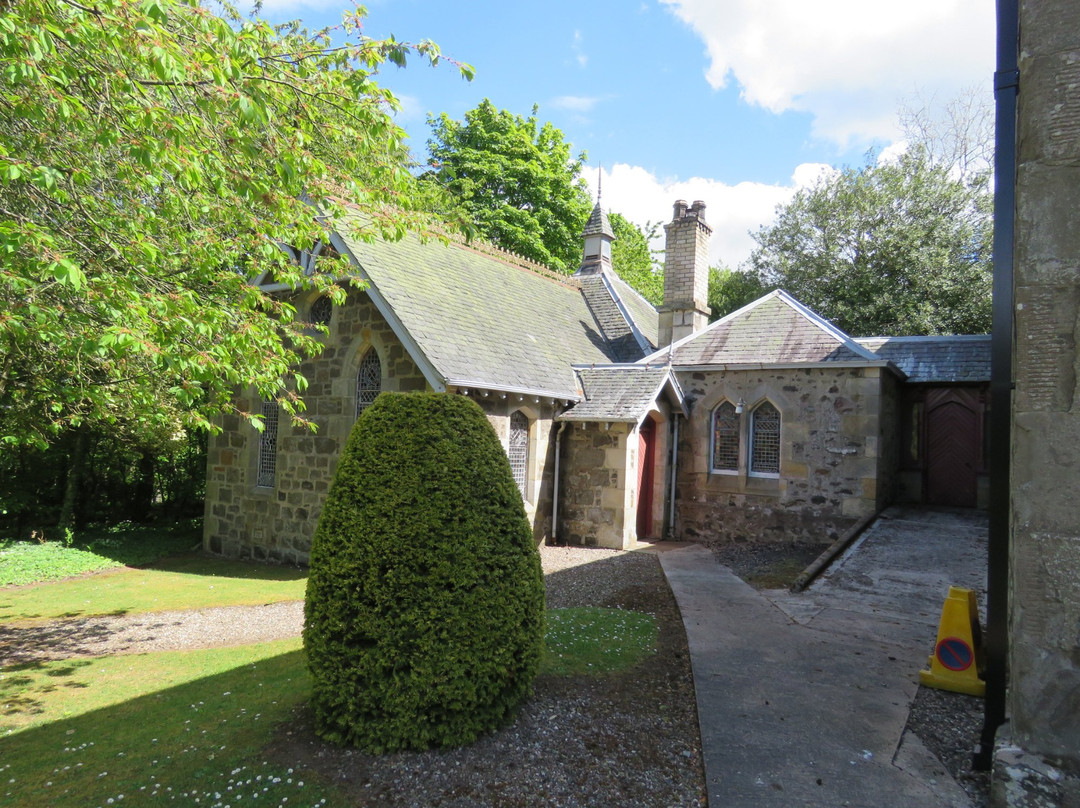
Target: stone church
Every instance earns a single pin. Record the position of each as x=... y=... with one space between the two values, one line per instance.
x=621 y=421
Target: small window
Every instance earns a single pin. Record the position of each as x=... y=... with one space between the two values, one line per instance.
x=321 y=310
x=368 y=381
x=268 y=446
x=765 y=440
x=518 y=450
x=725 y=438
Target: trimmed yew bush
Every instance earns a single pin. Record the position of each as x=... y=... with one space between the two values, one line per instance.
x=424 y=618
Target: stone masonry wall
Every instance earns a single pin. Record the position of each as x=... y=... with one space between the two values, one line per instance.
x=246 y=521
x=593 y=499
x=1044 y=659
x=686 y=274
x=837 y=455
x=541 y=461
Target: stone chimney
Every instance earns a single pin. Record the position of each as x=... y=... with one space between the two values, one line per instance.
x=686 y=274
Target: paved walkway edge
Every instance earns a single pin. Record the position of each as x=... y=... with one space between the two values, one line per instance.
x=782 y=723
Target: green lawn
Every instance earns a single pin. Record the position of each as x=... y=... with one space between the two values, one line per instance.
x=191 y=727
x=27 y=561
x=178 y=582
x=171 y=728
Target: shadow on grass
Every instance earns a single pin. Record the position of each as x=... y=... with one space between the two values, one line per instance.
x=177 y=745
x=207 y=565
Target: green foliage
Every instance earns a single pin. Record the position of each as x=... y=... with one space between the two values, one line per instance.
x=124 y=477
x=36 y=560
x=424 y=612
x=730 y=290
x=897 y=248
x=153 y=155
x=515 y=180
x=634 y=261
x=594 y=640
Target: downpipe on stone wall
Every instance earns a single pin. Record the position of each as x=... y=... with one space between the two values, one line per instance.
x=996 y=636
x=674 y=475
x=555 y=485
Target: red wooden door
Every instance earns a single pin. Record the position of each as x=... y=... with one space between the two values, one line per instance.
x=646 y=462
x=952 y=449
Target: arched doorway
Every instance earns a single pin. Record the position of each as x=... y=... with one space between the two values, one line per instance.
x=953 y=448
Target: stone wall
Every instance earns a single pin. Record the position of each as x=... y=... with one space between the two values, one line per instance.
x=541 y=461
x=598 y=504
x=838 y=455
x=1044 y=660
x=276 y=523
x=686 y=273
x=594 y=497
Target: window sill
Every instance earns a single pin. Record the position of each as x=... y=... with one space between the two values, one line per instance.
x=738 y=483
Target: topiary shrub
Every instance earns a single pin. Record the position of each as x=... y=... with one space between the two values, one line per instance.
x=424 y=618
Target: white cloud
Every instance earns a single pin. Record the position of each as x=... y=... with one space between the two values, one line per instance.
x=731 y=210
x=847 y=62
x=579 y=52
x=575 y=103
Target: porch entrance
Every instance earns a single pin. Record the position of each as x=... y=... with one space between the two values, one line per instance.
x=646 y=464
x=953 y=447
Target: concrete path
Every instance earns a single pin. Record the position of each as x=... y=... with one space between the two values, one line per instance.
x=802 y=699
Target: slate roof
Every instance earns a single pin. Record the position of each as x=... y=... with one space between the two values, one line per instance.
x=628 y=320
x=774 y=329
x=621 y=393
x=598 y=223
x=641 y=311
x=949 y=359
x=483 y=320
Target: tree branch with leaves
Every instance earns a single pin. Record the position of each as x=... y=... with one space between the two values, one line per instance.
x=154 y=155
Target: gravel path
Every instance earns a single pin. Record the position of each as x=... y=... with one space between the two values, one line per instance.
x=239 y=625
x=620 y=739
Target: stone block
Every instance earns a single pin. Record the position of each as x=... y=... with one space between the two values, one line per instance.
x=1049 y=129
x=614 y=499
x=794 y=470
x=857 y=507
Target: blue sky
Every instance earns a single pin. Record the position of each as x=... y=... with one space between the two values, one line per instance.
x=735 y=102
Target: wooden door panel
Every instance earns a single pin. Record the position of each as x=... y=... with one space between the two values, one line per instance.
x=952 y=454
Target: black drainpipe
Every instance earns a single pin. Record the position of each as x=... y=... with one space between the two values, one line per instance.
x=996 y=638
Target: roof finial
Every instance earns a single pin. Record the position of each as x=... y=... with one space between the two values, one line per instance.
x=599 y=182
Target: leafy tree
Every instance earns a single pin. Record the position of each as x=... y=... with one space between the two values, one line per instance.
x=153 y=157
x=731 y=289
x=633 y=260
x=424 y=615
x=516 y=181
x=896 y=248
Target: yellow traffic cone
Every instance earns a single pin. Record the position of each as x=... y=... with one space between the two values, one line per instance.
x=957 y=657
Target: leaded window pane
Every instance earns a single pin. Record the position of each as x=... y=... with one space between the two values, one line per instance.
x=765 y=440
x=268 y=446
x=518 y=450
x=321 y=310
x=726 y=438
x=368 y=381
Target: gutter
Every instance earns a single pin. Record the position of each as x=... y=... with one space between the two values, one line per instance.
x=674 y=473
x=555 y=486
x=996 y=636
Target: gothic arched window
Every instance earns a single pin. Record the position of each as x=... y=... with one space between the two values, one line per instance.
x=725 y=450
x=518 y=449
x=765 y=440
x=368 y=381
x=268 y=446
